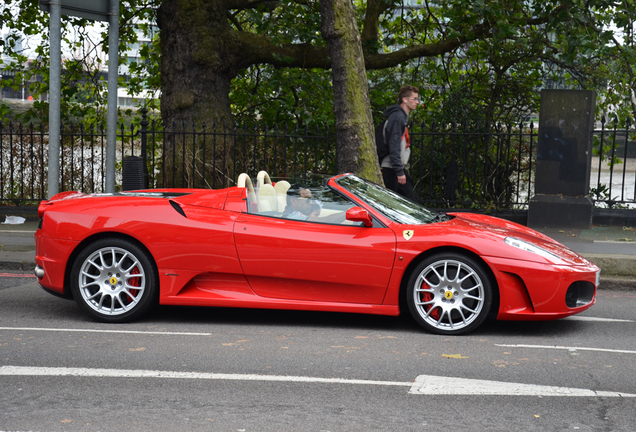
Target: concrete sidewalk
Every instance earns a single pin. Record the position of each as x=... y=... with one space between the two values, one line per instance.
x=613 y=249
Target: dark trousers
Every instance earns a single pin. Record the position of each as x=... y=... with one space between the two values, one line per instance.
x=391 y=182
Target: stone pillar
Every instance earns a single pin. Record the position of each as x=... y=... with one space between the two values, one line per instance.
x=564 y=156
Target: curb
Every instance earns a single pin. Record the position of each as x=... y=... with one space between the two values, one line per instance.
x=25 y=266
x=614 y=265
x=618 y=283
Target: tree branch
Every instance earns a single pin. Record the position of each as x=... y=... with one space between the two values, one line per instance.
x=370 y=27
x=249 y=4
x=232 y=18
x=253 y=49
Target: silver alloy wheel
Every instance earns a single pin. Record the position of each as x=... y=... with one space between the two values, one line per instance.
x=449 y=295
x=112 y=281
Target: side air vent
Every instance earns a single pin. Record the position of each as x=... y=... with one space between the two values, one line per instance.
x=178 y=208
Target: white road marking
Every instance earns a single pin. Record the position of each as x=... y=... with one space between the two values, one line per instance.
x=123 y=373
x=434 y=385
x=423 y=385
x=574 y=348
x=586 y=318
x=105 y=331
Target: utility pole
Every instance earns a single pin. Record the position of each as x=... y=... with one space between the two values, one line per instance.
x=98 y=10
x=55 y=80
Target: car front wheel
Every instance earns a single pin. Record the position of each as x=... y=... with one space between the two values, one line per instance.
x=450 y=294
x=114 y=280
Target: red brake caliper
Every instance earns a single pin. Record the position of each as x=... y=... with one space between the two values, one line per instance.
x=134 y=282
x=426 y=297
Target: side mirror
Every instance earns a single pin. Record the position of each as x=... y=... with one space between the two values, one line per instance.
x=358 y=214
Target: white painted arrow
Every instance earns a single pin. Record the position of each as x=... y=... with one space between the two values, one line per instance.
x=437 y=386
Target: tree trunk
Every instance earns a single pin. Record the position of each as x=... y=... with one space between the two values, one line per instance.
x=355 y=139
x=195 y=70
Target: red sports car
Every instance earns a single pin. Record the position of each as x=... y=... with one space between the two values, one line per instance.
x=340 y=244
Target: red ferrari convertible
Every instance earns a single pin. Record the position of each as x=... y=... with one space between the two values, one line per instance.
x=339 y=244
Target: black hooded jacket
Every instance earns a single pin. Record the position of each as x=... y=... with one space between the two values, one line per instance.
x=396 y=125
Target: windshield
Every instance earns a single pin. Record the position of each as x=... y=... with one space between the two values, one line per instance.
x=389 y=203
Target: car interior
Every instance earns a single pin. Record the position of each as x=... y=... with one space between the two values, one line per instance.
x=269 y=198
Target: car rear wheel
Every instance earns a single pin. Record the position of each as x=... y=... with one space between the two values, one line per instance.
x=114 y=280
x=450 y=293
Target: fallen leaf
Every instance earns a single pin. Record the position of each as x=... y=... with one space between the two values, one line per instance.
x=537 y=416
x=136 y=349
x=457 y=356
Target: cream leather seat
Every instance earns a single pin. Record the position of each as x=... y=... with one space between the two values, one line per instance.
x=266 y=194
x=281 y=188
x=267 y=199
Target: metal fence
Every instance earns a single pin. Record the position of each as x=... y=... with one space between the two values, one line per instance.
x=451 y=165
x=473 y=167
x=613 y=179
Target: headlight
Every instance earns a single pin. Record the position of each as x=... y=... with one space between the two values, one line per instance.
x=523 y=245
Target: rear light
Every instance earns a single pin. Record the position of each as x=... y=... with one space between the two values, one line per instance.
x=57 y=197
x=41 y=208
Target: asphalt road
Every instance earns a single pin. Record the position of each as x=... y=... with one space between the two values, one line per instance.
x=183 y=369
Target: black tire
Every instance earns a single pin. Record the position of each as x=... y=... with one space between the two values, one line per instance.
x=114 y=280
x=450 y=293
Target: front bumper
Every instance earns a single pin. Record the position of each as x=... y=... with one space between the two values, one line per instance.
x=536 y=291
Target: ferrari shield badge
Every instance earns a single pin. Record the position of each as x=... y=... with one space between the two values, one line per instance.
x=408 y=234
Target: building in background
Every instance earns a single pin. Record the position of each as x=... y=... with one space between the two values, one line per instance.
x=14 y=88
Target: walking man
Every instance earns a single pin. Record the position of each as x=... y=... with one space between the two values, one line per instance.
x=395 y=165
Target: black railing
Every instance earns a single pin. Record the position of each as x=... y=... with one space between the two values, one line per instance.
x=462 y=166
x=451 y=165
x=614 y=160
x=214 y=158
